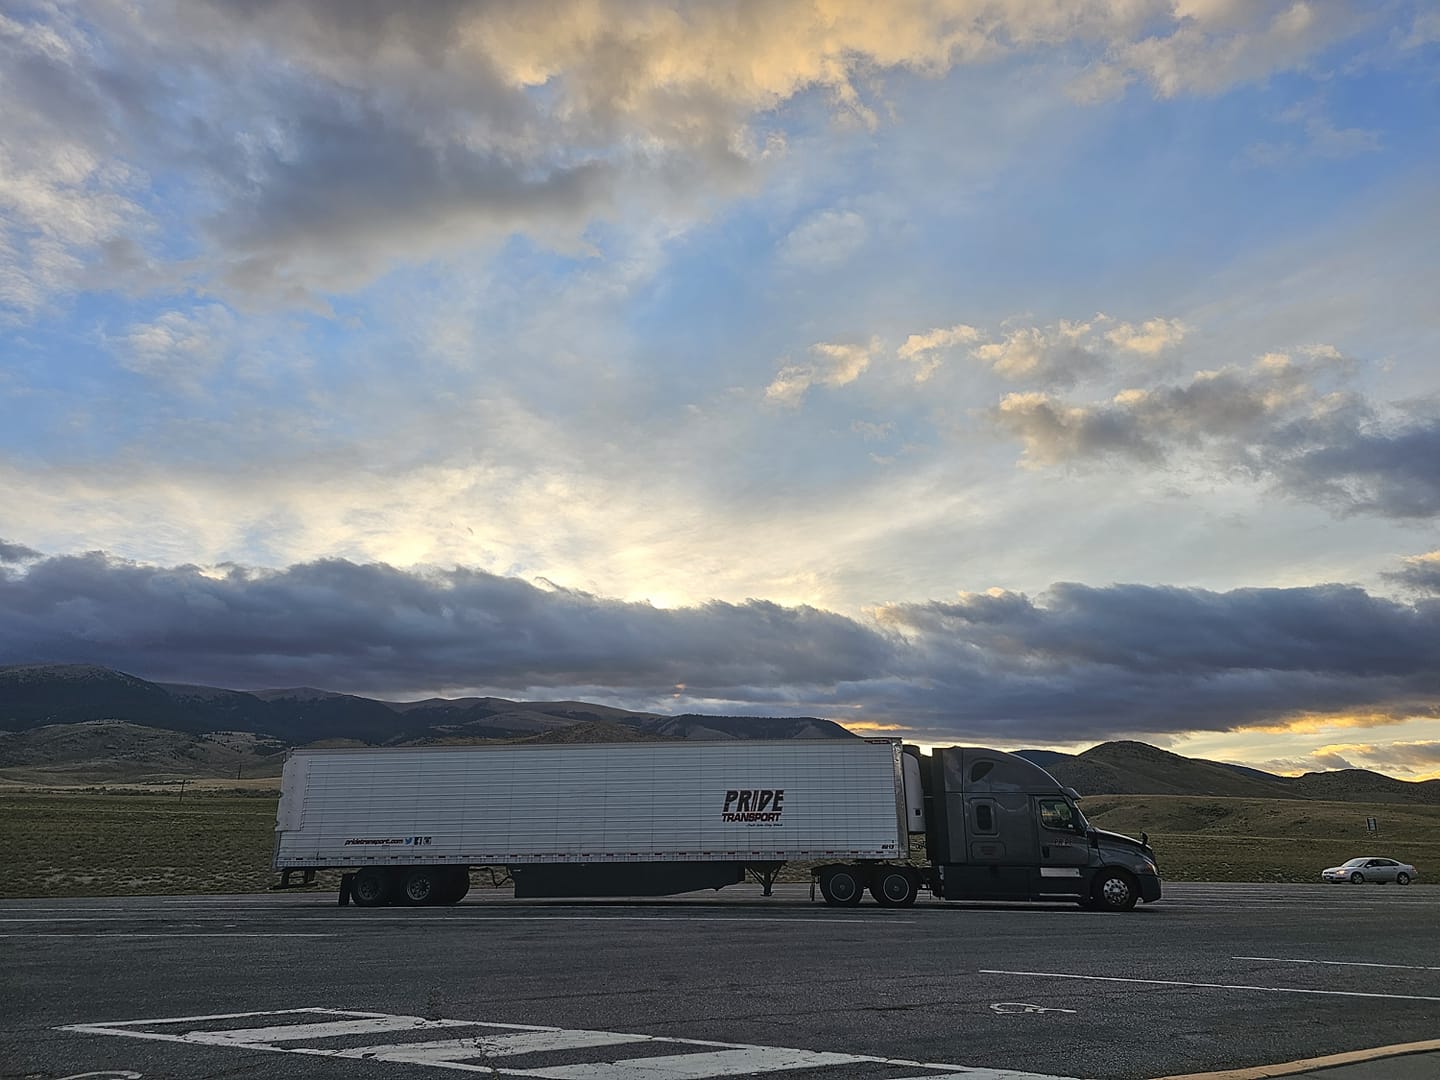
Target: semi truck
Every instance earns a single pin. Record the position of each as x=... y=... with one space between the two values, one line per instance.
x=406 y=825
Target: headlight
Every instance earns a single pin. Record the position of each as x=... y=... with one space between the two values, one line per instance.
x=1151 y=868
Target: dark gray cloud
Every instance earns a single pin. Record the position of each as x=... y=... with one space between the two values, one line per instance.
x=1394 y=472
x=14 y=553
x=1420 y=572
x=1291 y=423
x=373 y=627
x=1077 y=662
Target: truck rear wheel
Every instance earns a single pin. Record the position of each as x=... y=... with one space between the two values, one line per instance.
x=424 y=885
x=370 y=887
x=1115 y=891
x=895 y=886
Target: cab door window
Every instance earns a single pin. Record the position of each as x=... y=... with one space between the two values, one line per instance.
x=1057 y=814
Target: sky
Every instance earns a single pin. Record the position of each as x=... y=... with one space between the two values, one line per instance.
x=1009 y=371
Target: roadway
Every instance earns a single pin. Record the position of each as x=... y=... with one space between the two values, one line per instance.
x=288 y=985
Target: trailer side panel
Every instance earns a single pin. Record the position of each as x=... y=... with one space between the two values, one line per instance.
x=745 y=802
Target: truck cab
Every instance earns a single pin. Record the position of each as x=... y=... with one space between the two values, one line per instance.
x=999 y=827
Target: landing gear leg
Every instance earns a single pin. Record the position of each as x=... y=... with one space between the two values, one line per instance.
x=765 y=874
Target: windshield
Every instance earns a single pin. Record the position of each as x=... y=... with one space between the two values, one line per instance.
x=1354 y=862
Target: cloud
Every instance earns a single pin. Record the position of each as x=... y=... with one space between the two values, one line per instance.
x=834 y=366
x=63 y=194
x=374 y=627
x=1058 y=355
x=16 y=553
x=1149 y=338
x=1075 y=663
x=1420 y=572
x=1318 y=138
x=828 y=238
x=288 y=151
x=178 y=348
x=1414 y=758
x=1215 y=45
x=1238 y=405
x=1286 y=419
x=923 y=349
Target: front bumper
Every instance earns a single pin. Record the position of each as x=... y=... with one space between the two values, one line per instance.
x=1149 y=887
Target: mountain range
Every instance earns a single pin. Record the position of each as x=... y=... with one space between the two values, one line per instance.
x=34 y=695
x=91 y=722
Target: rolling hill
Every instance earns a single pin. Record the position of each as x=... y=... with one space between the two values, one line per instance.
x=1136 y=768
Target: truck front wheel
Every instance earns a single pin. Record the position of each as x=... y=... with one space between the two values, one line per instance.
x=895 y=886
x=370 y=887
x=841 y=886
x=1115 y=891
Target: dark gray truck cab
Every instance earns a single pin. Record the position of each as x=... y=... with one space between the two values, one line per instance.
x=999 y=827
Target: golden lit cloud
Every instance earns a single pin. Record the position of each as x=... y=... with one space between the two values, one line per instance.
x=1309 y=723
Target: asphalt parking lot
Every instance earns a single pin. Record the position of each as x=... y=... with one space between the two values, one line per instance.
x=290 y=985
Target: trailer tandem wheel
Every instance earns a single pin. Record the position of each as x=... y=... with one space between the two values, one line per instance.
x=457 y=884
x=425 y=885
x=370 y=887
x=841 y=886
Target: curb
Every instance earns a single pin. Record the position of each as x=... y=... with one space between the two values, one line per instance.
x=1305 y=1065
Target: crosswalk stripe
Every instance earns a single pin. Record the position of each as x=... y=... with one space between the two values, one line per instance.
x=744 y=1061
x=485 y=1046
x=328 y=1030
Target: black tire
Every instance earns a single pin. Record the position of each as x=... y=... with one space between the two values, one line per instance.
x=841 y=886
x=1115 y=890
x=457 y=884
x=370 y=887
x=423 y=886
x=895 y=886
x=1402 y=878
x=1357 y=878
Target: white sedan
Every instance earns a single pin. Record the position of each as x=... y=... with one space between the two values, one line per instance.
x=1378 y=871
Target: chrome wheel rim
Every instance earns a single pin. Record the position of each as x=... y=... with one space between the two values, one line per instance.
x=1116 y=891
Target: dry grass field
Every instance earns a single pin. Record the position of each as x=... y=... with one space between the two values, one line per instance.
x=1200 y=838
x=218 y=838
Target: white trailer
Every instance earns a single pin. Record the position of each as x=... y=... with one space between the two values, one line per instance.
x=568 y=820
x=656 y=818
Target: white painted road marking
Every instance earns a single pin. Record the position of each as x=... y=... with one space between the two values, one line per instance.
x=1210 y=986
x=537 y=1042
x=1336 y=963
x=740 y=1061
x=327 y=1029
x=172 y=933
x=693 y=1059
